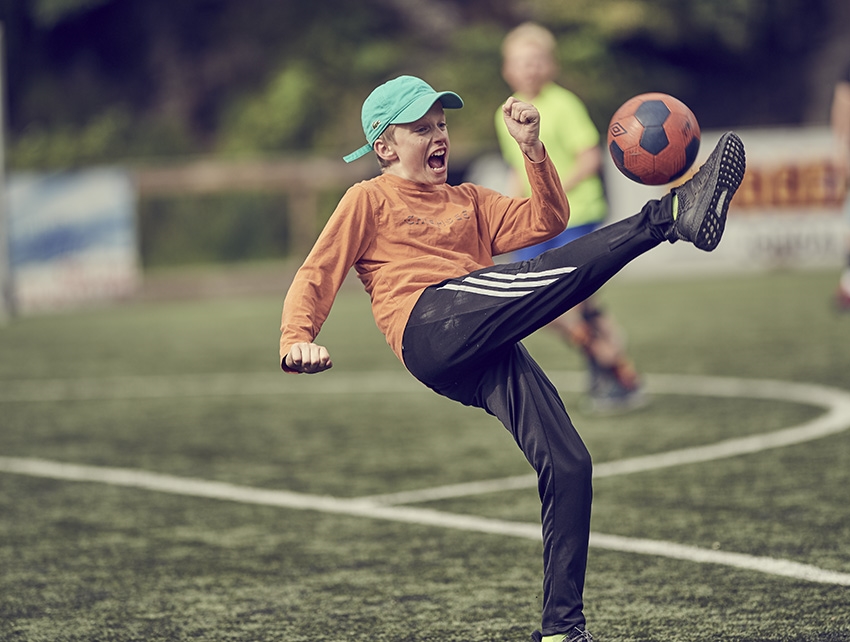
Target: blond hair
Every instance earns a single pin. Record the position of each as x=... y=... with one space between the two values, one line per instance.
x=530 y=33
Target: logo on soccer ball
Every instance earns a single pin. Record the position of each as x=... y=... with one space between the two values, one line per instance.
x=617 y=129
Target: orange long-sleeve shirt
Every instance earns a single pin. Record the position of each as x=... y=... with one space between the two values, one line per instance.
x=402 y=237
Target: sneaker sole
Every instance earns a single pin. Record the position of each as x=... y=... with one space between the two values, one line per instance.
x=729 y=174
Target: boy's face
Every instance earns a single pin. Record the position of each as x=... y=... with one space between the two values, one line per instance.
x=420 y=151
x=527 y=68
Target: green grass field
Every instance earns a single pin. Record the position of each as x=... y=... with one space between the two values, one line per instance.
x=191 y=390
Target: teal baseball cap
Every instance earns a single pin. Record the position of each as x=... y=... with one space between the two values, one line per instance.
x=402 y=100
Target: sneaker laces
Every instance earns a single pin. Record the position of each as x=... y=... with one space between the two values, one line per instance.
x=583 y=636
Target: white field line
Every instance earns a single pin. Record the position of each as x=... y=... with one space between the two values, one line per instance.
x=425 y=517
x=769 y=565
x=836 y=419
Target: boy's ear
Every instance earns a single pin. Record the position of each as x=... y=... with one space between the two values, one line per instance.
x=384 y=151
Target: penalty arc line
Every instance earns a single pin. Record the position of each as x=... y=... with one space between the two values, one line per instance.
x=835 y=420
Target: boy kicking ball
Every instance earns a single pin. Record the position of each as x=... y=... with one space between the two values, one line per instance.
x=424 y=251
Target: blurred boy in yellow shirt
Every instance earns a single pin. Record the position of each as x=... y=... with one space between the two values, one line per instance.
x=572 y=141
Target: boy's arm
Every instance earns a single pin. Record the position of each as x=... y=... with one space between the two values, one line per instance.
x=519 y=222
x=515 y=223
x=311 y=294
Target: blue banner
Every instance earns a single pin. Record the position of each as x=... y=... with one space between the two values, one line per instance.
x=72 y=238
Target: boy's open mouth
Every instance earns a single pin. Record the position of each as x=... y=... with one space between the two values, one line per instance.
x=437 y=160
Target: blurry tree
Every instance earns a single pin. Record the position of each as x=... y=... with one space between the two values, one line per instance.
x=736 y=62
x=107 y=80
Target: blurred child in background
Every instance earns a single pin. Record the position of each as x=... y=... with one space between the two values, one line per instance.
x=572 y=142
x=840 y=121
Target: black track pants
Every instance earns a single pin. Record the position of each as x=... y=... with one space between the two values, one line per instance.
x=462 y=340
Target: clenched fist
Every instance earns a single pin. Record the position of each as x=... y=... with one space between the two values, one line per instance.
x=308 y=358
x=523 y=123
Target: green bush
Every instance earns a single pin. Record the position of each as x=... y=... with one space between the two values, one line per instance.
x=228 y=227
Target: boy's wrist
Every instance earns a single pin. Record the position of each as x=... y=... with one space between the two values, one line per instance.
x=535 y=152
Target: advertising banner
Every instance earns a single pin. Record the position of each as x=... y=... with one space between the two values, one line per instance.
x=787 y=213
x=72 y=238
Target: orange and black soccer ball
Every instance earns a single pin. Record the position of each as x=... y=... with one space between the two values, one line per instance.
x=653 y=138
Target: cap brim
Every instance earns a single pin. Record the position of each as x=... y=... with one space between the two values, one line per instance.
x=419 y=107
x=353 y=156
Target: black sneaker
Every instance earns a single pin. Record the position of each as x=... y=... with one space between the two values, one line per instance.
x=576 y=635
x=704 y=200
